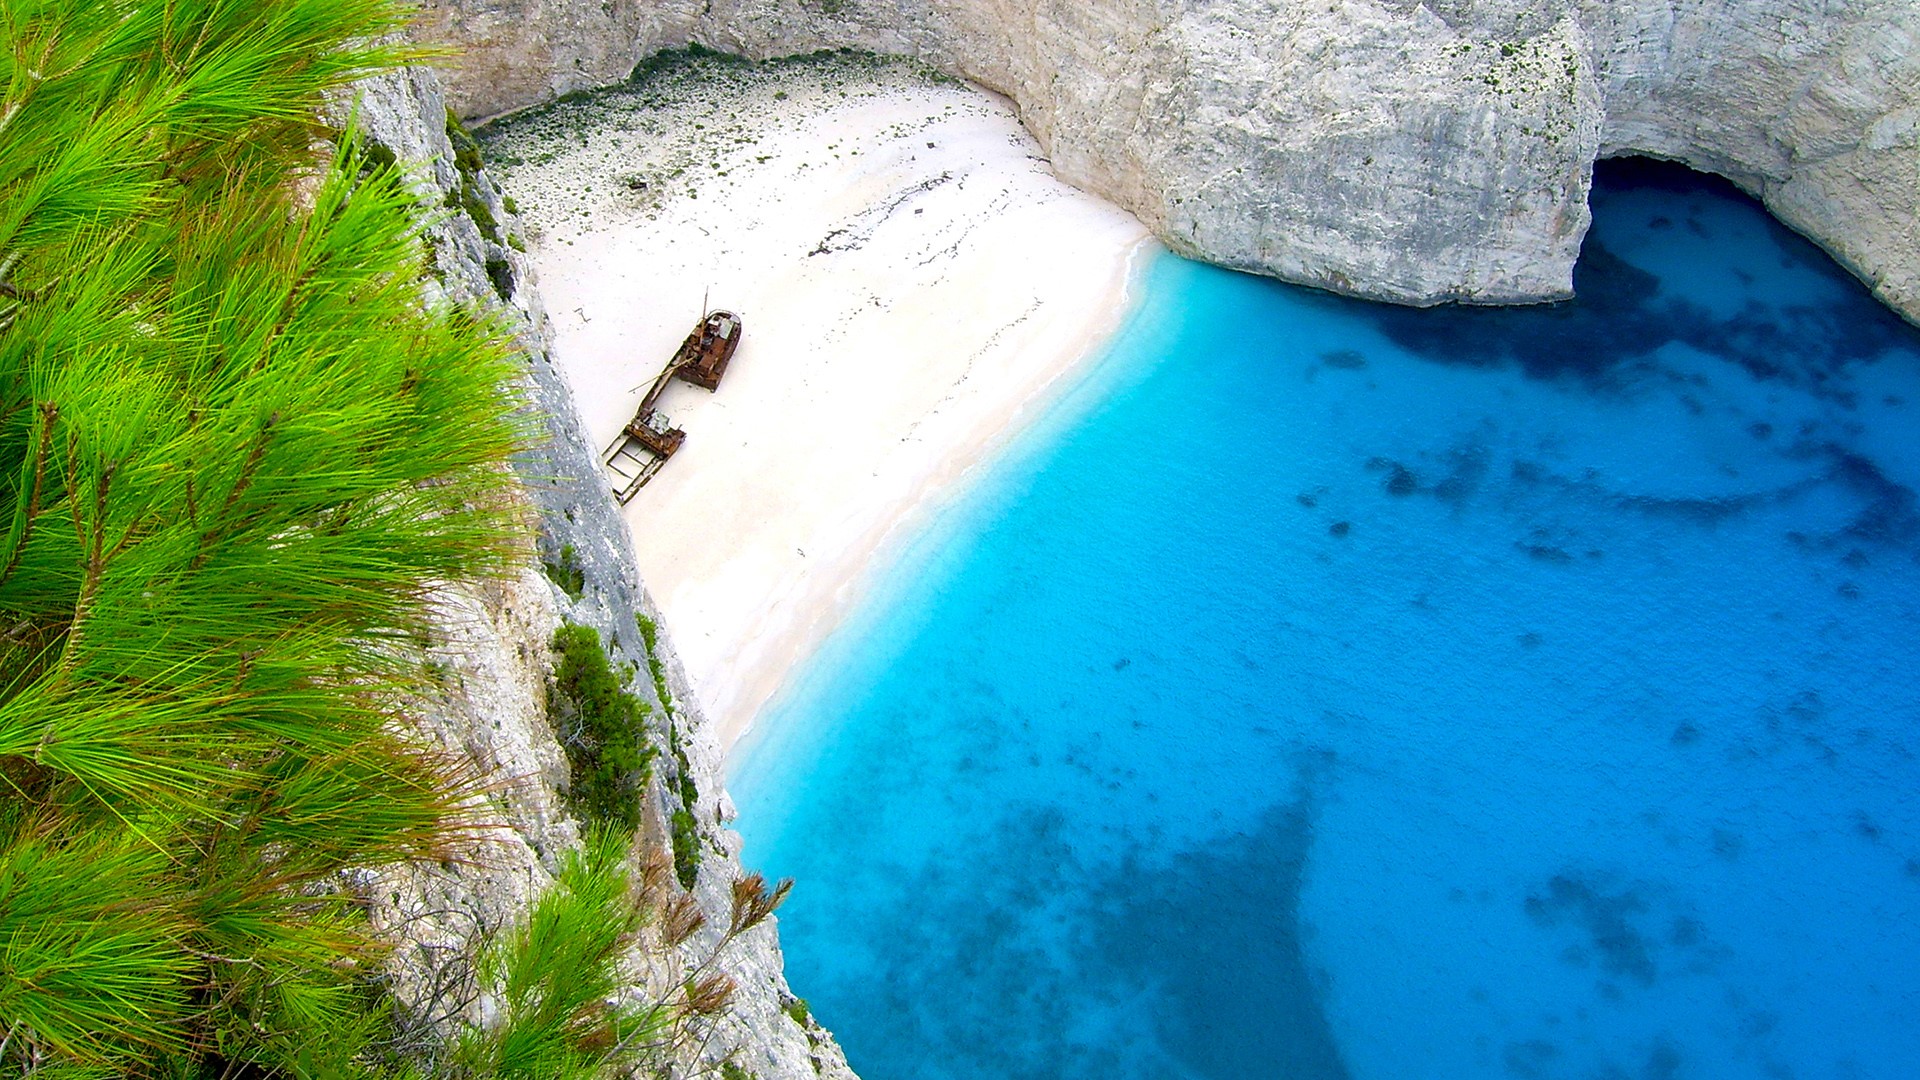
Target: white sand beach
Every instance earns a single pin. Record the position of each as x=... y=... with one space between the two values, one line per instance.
x=914 y=285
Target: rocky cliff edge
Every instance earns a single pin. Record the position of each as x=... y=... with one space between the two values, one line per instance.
x=493 y=667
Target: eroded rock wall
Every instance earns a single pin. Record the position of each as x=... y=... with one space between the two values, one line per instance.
x=1420 y=152
x=493 y=662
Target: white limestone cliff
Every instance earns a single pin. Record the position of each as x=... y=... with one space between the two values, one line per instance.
x=1419 y=152
x=492 y=661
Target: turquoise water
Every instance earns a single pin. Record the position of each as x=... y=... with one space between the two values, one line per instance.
x=1334 y=690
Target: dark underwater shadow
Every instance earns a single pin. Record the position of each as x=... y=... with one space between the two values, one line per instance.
x=1620 y=314
x=1218 y=930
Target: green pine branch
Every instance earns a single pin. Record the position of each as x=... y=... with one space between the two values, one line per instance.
x=238 y=452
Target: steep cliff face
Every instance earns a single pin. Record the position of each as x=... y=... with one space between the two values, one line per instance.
x=1411 y=151
x=492 y=655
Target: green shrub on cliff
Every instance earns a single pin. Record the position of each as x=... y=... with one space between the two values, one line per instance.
x=602 y=727
x=236 y=453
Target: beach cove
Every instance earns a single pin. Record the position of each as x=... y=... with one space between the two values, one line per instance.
x=914 y=283
x=1073 y=659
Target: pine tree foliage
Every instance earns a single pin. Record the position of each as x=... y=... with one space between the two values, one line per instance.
x=557 y=978
x=237 y=451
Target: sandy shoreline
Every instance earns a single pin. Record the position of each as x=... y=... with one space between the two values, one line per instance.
x=914 y=284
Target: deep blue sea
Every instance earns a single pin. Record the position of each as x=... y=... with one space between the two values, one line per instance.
x=1326 y=689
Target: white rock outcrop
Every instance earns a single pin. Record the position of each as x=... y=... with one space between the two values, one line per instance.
x=1420 y=151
